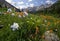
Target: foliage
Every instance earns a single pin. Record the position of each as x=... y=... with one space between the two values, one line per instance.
x=31 y=27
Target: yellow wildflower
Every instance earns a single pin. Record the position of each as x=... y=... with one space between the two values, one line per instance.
x=48 y=23
x=37 y=30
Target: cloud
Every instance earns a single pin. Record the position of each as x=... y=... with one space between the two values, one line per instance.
x=29 y=0
x=27 y=4
x=13 y=3
x=49 y=2
x=9 y=1
x=31 y=5
x=20 y=2
x=21 y=7
x=17 y=7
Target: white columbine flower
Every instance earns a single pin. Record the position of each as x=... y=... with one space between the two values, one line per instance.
x=45 y=20
x=19 y=16
x=25 y=13
x=12 y=14
x=14 y=26
x=9 y=10
x=47 y=32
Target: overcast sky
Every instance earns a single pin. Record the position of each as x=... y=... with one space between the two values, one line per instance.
x=31 y=3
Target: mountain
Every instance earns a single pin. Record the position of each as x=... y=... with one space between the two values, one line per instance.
x=49 y=7
x=55 y=7
x=5 y=4
x=37 y=8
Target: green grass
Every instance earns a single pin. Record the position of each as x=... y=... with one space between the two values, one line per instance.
x=27 y=27
x=3 y=9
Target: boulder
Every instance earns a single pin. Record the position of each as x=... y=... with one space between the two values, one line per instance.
x=50 y=36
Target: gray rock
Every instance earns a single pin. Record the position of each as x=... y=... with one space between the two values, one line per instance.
x=51 y=36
